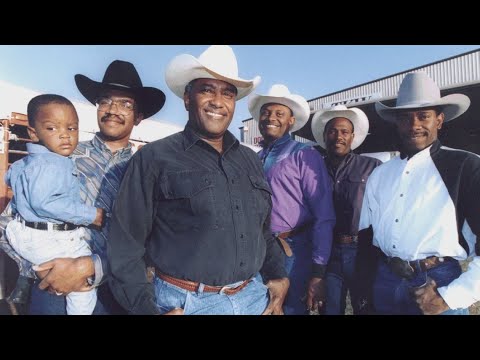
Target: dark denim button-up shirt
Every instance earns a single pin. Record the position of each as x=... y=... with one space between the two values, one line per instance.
x=349 y=182
x=202 y=216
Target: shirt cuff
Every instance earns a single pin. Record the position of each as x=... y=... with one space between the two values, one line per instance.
x=318 y=270
x=97 y=263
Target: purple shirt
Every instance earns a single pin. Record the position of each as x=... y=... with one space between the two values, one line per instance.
x=302 y=192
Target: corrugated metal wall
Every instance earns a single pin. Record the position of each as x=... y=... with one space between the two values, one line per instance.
x=449 y=73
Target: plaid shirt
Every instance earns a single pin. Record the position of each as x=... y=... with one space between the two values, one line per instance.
x=100 y=173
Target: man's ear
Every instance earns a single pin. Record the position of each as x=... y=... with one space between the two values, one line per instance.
x=33 y=134
x=186 y=100
x=291 y=121
x=138 y=119
x=440 y=119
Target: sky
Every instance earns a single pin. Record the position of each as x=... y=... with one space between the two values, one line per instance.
x=307 y=70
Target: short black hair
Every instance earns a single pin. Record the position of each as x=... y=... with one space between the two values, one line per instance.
x=38 y=101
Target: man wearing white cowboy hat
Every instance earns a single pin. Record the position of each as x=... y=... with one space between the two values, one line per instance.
x=203 y=218
x=122 y=102
x=302 y=212
x=339 y=131
x=424 y=209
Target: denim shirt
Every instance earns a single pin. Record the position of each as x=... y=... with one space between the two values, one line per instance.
x=46 y=189
x=100 y=173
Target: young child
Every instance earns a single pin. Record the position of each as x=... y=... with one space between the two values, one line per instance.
x=46 y=195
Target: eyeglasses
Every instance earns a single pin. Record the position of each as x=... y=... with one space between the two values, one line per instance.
x=123 y=106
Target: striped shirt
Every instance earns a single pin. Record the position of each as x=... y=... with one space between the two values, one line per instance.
x=100 y=173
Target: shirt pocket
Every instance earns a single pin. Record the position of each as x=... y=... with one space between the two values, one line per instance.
x=262 y=196
x=354 y=188
x=190 y=201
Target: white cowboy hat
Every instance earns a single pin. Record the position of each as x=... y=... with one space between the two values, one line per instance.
x=279 y=94
x=217 y=62
x=418 y=91
x=355 y=115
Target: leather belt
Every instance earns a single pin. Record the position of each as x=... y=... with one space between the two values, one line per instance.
x=57 y=227
x=195 y=286
x=288 y=234
x=407 y=269
x=346 y=239
x=430 y=262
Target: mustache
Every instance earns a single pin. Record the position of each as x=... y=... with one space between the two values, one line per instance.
x=111 y=117
x=416 y=133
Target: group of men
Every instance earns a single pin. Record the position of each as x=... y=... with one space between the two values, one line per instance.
x=289 y=230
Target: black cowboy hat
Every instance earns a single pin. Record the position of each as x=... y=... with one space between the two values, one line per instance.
x=122 y=75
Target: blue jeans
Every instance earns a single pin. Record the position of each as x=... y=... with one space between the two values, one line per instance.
x=340 y=279
x=44 y=303
x=251 y=300
x=299 y=270
x=393 y=294
x=351 y=269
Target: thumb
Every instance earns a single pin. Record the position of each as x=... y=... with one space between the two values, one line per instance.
x=176 y=311
x=44 y=266
x=268 y=310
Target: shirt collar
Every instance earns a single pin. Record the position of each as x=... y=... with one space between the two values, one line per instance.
x=280 y=141
x=37 y=149
x=99 y=144
x=345 y=161
x=424 y=153
x=190 y=138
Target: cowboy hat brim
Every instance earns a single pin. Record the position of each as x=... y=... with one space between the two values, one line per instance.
x=453 y=106
x=151 y=99
x=356 y=116
x=298 y=105
x=185 y=68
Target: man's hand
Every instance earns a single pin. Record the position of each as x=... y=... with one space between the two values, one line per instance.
x=99 y=219
x=177 y=311
x=64 y=275
x=277 y=289
x=315 y=294
x=429 y=300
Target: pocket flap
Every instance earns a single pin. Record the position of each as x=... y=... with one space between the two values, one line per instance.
x=186 y=185
x=260 y=183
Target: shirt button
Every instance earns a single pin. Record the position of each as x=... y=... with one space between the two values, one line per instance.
x=242 y=236
x=396 y=220
x=338 y=181
x=407 y=172
x=242 y=264
x=237 y=207
x=401 y=195
x=394 y=246
x=233 y=181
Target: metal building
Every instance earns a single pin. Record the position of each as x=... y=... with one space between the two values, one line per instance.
x=458 y=74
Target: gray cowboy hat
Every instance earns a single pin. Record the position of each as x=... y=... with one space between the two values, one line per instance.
x=419 y=91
